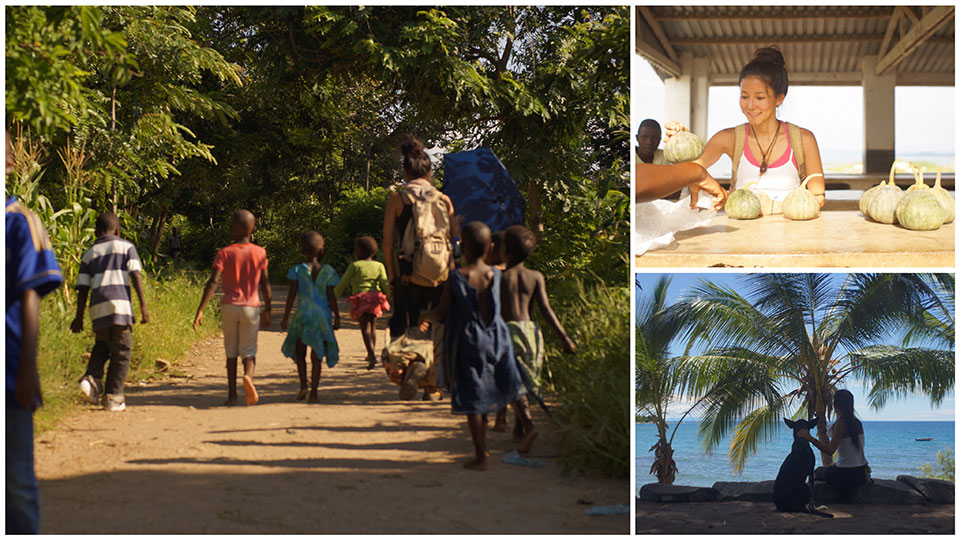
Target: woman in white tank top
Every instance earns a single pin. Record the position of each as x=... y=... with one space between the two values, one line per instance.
x=768 y=153
x=845 y=437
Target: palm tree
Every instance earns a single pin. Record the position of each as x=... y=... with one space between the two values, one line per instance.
x=659 y=378
x=784 y=348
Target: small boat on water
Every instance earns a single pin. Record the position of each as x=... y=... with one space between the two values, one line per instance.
x=924 y=438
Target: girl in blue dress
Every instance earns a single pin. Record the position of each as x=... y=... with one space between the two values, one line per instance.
x=311 y=283
x=480 y=366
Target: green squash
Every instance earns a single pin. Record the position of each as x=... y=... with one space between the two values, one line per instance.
x=865 y=198
x=684 y=146
x=743 y=204
x=918 y=185
x=800 y=204
x=942 y=195
x=882 y=206
x=920 y=210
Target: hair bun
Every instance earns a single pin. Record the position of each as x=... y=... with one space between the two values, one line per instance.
x=412 y=146
x=770 y=54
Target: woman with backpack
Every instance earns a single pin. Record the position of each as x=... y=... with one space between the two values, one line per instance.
x=777 y=155
x=417 y=240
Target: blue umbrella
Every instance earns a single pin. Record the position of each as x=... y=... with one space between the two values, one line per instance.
x=481 y=189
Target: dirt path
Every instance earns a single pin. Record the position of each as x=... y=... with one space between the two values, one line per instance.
x=360 y=461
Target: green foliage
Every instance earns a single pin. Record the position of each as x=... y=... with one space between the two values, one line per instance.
x=594 y=412
x=946 y=468
x=168 y=335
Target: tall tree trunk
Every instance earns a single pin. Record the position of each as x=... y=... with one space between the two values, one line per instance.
x=158 y=232
x=113 y=128
x=534 y=206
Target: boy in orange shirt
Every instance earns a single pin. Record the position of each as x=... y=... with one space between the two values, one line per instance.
x=243 y=266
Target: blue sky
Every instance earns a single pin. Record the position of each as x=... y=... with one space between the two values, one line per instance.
x=914 y=407
x=924 y=116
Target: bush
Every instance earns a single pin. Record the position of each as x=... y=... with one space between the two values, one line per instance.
x=169 y=335
x=946 y=467
x=592 y=386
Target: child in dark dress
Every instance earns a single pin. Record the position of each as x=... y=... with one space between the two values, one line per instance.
x=484 y=370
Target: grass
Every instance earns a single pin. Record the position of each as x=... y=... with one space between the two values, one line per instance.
x=172 y=304
x=593 y=386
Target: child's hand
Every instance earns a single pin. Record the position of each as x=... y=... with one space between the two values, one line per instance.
x=284 y=323
x=144 y=316
x=77 y=325
x=424 y=324
x=197 y=321
x=336 y=321
x=265 y=319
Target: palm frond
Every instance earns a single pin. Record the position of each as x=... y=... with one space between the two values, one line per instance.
x=761 y=425
x=896 y=372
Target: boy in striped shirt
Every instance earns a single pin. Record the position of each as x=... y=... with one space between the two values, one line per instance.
x=106 y=271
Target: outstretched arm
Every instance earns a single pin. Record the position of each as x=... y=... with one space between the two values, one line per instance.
x=839 y=433
x=541 y=297
x=208 y=291
x=813 y=166
x=657 y=181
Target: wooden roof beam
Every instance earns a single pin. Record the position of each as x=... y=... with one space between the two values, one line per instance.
x=658 y=32
x=771 y=16
x=918 y=34
x=806 y=38
x=658 y=59
x=888 y=35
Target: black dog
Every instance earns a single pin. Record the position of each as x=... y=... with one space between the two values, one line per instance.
x=791 y=490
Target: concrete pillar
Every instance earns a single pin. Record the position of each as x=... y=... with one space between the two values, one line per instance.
x=699 y=96
x=687 y=95
x=878 y=117
x=677 y=91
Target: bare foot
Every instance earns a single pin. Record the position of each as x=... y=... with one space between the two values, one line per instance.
x=231 y=401
x=313 y=397
x=371 y=362
x=302 y=394
x=518 y=432
x=250 y=391
x=475 y=465
x=527 y=442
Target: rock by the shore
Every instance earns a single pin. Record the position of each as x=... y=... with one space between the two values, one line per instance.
x=879 y=491
x=673 y=493
x=934 y=491
x=745 y=491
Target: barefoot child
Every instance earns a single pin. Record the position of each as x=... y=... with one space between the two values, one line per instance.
x=311 y=283
x=243 y=266
x=484 y=371
x=106 y=271
x=521 y=288
x=366 y=281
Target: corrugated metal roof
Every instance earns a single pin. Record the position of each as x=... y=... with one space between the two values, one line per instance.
x=821 y=44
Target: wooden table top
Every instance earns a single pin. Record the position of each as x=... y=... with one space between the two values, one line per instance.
x=840 y=237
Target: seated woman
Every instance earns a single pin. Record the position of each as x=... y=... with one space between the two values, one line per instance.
x=845 y=437
x=765 y=149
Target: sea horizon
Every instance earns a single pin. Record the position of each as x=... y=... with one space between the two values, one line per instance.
x=891 y=448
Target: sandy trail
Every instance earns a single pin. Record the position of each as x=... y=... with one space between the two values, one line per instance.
x=360 y=461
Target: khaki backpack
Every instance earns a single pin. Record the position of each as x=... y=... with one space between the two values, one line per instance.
x=740 y=140
x=425 y=242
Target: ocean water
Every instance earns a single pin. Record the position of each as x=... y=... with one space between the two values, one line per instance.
x=891 y=449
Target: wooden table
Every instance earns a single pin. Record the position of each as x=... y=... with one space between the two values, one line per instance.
x=840 y=237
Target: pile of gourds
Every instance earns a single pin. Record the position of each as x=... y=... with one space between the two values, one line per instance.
x=919 y=208
x=799 y=204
